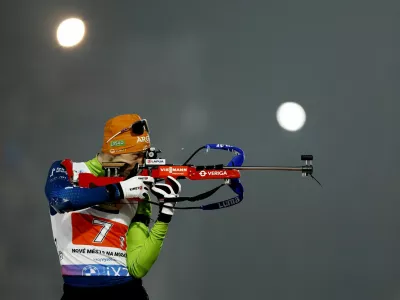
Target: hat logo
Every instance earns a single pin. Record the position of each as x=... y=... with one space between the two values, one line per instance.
x=117 y=143
x=143 y=139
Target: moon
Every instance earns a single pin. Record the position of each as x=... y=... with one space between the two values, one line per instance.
x=70 y=32
x=291 y=116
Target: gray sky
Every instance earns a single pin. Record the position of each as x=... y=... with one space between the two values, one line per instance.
x=215 y=72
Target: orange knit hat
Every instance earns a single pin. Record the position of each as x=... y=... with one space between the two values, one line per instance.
x=120 y=138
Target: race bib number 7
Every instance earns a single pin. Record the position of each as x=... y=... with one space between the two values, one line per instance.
x=95 y=231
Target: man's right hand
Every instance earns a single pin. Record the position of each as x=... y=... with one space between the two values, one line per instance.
x=168 y=190
x=136 y=187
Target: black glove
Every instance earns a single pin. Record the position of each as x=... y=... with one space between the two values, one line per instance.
x=168 y=190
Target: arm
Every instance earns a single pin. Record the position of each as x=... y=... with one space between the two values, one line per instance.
x=144 y=245
x=63 y=196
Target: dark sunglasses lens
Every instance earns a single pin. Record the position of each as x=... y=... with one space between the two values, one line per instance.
x=138 y=128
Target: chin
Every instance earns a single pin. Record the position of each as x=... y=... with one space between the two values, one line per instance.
x=125 y=174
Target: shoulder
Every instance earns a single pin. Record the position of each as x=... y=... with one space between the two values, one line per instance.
x=72 y=168
x=61 y=167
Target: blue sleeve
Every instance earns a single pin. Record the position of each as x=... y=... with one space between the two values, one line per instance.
x=64 y=196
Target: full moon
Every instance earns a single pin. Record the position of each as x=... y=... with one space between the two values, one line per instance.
x=70 y=32
x=291 y=116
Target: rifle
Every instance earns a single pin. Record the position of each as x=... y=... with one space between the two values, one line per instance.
x=229 y=173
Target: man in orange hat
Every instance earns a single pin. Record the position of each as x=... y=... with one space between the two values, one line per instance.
x=122 y=144
x=102 y=234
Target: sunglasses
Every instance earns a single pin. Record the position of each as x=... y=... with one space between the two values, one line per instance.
x=137 y=128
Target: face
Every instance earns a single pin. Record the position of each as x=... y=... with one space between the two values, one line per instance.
x=130 y=159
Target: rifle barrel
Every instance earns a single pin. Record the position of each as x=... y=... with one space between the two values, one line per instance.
x=268 y=168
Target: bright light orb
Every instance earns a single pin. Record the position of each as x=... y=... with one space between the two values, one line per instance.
x=70 y=32
x=291 y=116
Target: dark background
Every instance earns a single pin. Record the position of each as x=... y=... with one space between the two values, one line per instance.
x=215 y=72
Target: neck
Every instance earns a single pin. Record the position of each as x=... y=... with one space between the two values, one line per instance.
x=95 y=166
